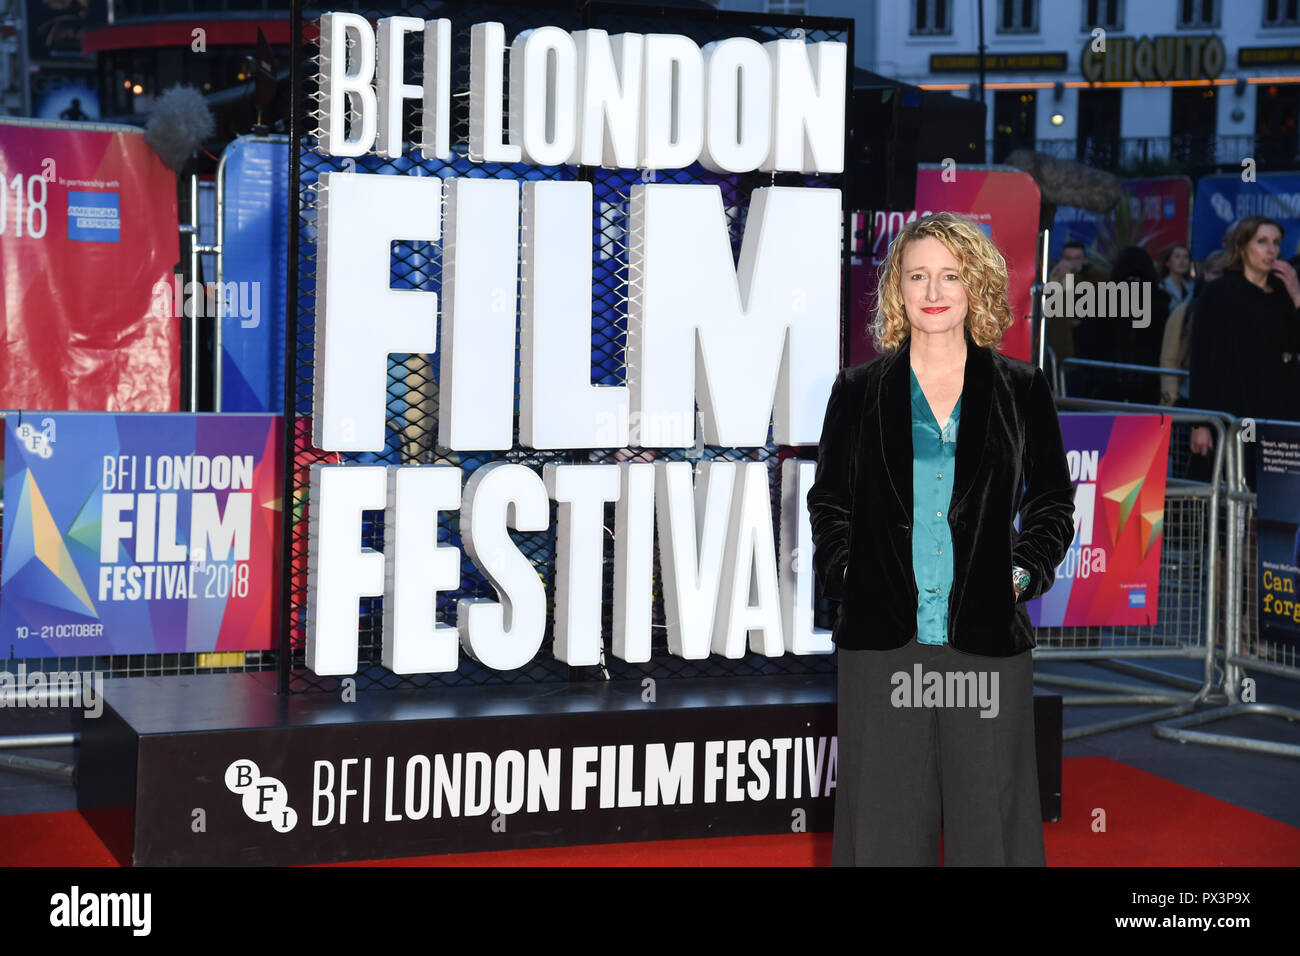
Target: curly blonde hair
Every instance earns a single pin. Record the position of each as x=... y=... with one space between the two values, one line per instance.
x=981 y=267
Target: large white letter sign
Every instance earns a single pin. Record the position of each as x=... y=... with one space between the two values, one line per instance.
x=558 y=405
x=503 y=635
x=487 y=45
x=807 y=111
x=609 y=98
x=692 y=549
x=543 y=102
x=480 y=263
x=435 y=125
x=339 y=571
x=801 y=637
x=634 y=538
x=393 y=90
x=737 y=110
x=359 y=318
x=581 y=492
x=418 y=568
x=751 y=566
x=672 y=102
x=347 y=90
x=768 y=332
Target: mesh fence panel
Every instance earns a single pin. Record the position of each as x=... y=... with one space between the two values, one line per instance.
x=1180 y=622
x=413 y=379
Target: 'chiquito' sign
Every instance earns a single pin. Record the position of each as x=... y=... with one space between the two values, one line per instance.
x=753 y=344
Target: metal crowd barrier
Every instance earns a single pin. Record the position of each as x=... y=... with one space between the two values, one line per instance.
x=1187 y=625
x=1179 y=440
x=1245 y=646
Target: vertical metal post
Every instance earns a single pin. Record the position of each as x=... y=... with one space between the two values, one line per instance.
x=285 y=661
x=1217 y=474
x=220 y=254
x=1040 y=285
x=194 y=286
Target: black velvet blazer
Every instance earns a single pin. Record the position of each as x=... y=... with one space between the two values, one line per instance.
x=1010 y=460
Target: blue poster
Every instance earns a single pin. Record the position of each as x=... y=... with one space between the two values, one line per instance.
x=256 y=262
x=1222 y=200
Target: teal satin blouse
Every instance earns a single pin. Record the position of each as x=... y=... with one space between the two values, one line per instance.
x=933 y=454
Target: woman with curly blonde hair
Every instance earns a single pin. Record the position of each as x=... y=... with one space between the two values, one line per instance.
x=928 y=455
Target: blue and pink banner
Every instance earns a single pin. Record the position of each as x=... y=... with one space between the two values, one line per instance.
x=1111 y=574
x=139 y=534
x=1157 y=216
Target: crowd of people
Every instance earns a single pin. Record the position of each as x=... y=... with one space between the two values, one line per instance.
x=1231 y=322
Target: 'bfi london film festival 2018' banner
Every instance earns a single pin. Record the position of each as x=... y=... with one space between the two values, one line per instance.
x=1223 y=199
x=1277 y=470
x=1111 y=574
x=139 y=533
x=87 y=233
x=1003 y=201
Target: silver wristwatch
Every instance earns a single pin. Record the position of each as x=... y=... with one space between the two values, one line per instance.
x=1020 y=580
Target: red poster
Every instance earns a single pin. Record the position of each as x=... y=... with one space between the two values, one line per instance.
x=1003 y=201
x=88 y=233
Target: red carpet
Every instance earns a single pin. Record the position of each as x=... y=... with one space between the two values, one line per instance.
x=1148 y=822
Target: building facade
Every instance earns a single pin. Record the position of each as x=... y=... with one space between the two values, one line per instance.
x=1136 y=85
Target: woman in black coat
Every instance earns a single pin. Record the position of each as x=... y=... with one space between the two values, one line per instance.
x=927 y=455
x=1246 y=339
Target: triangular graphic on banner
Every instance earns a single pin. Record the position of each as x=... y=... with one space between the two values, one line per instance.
x=1119 y=502
x=85 y=528
x=47 y=545
x=1152 y=524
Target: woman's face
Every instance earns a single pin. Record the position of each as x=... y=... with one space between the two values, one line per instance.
x=1263 y=248
x=933 y=293
x=1179 y=262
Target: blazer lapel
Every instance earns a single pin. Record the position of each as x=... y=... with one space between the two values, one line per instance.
x=895 y=422
x=972 y=432
x=895 y=425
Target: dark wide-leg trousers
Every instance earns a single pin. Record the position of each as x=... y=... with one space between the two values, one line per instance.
x=905 y=773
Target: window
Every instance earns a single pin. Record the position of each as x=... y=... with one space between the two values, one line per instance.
x=1198 y=14
x=1281 y=13
x=1017 y=16
x=1276 y=107
x=1107 y=14
x=1097 y=144
x=788 y=6
x=932 y=17
x=1014 y=121
x=1193 y=123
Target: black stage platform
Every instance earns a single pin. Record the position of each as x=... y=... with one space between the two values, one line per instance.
x=218 y=769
